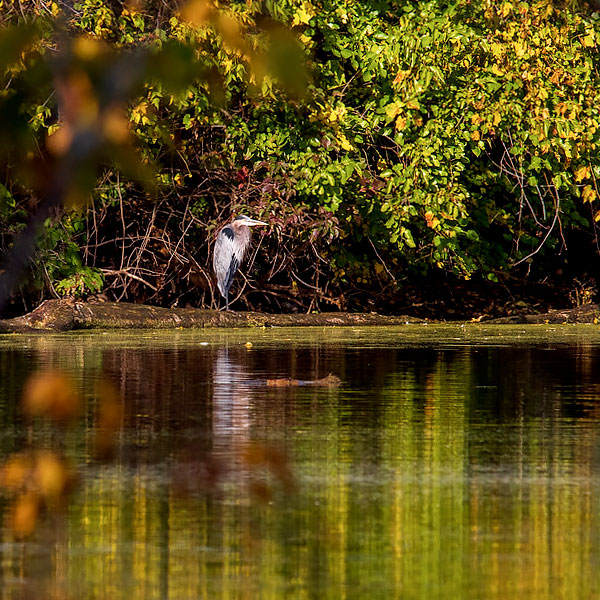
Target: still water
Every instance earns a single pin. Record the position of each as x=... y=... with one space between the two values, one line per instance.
x=452 y=462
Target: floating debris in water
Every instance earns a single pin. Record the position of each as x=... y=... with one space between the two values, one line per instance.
x=328 y=381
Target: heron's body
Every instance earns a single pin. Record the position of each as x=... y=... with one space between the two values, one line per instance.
x=230 y=248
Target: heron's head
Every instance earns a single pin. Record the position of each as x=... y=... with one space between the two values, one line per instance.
x=247 y=221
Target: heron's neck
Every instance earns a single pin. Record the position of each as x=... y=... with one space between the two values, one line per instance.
x=243 y=236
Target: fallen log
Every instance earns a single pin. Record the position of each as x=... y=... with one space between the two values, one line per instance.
x=67 y=315
x=587 y=313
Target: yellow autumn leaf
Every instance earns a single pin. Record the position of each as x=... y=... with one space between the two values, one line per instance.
x=392 y=110
x=430 y=220
x=496 y=118
x=344 y=143
x=139 y=110
x=589 y=40
x=51 y=475
x=476 y=136
x=588 y=194
x=86 y=47
x=561 y=108
x=25 y=514
x=115 y=126
x=59 y=140
x=400 y=123
x=497 y=49
x=198 y=12
x=496 y=70
x=266 y=88
x=227 y=64
x=556 y=77
x=304 y=14
x=334 y=115
x=582 y=173
x=400 y=77
x=520 y=48
x=51 y=393
x=597 y=216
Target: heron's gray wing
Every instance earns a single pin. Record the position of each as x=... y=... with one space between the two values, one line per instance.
x=233 y=267
x=225 y=260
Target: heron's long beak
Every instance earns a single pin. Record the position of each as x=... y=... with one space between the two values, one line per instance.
x=252 y=222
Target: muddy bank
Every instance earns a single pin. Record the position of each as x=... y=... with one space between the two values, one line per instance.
x=67 y=315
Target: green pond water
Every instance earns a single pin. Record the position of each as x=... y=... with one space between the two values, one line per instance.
x=452 y=462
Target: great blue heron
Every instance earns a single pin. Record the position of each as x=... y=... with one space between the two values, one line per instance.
x=230 y=247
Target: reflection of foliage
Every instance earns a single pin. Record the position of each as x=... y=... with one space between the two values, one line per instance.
x=38 y=479
x=447 y=136
x=417 y=470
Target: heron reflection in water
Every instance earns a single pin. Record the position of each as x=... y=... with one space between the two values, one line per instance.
x=230 y=248
x=231 y=399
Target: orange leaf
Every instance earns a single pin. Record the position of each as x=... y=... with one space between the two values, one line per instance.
x=582 y=173
x=51 y=394
x=24 y=515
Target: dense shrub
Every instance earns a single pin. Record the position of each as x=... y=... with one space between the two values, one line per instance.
x=382 y=142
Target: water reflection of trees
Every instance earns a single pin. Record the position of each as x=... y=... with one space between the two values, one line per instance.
x=431 y=469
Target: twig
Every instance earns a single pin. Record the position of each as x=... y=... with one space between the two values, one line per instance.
x=381 y=259
x=128 y=274
x=123 y=227
x=551 y=228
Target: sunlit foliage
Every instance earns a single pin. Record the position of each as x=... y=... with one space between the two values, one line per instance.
x=458 y=137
